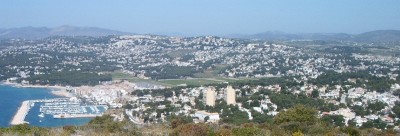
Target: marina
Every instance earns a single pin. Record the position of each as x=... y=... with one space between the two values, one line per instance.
x=12 y=99
x=58 y=108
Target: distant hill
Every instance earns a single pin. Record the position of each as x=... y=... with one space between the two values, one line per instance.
x=379 y=36
x=43 y=32
x=276 y=35
x=372 y=36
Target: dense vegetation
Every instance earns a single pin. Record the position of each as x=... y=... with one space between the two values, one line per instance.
x=297 y=121
x=363 y=79
x=170 y=72
x=72 y=78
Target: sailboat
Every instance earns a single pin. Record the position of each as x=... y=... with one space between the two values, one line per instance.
x=41 y=115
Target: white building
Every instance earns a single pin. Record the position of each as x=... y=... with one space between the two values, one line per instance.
x=213 y=117
x=209 y=96
x=230 y=95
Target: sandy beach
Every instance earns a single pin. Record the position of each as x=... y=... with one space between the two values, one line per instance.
x=56 y=90
x=19 y=117
x=63 y=93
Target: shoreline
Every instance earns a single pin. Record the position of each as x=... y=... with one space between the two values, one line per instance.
x=55 y=90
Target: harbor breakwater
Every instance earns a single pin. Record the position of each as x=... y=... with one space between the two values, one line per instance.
x=19 y=117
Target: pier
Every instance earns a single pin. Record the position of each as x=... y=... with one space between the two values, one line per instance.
x=19 y=117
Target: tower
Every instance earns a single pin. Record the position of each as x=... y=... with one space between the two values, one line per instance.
x=230 y=95
x=209 y=97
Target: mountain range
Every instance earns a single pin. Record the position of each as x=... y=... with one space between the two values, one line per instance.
x=43 y=32
x=372 y=36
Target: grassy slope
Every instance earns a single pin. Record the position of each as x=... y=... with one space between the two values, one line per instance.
x=176 y=82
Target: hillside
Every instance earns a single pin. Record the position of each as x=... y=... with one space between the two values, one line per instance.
x=379 y=36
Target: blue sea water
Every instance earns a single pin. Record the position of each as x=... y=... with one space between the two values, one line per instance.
x=11 y=98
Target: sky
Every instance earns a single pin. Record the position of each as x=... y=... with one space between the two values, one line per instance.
x=206 y=17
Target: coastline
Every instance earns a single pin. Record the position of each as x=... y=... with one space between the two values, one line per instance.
x=55 y=90
x=62 y=93
x=24 y=112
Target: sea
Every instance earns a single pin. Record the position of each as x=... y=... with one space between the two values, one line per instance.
x=11 y=98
